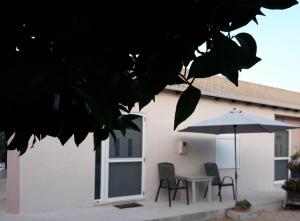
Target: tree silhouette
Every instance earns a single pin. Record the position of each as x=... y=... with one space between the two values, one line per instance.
x=73 y=72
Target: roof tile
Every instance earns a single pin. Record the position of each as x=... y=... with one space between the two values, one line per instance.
x=218 y=86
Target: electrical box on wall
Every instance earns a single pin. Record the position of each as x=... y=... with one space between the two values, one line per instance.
x=183 y=147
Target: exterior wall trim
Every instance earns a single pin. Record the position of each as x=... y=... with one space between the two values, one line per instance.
x=248 y=101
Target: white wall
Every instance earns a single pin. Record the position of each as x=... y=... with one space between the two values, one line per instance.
x=162 y=143
x=55 y=177
x=256 y=150
x=12 y=203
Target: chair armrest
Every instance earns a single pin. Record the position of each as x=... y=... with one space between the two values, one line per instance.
x=229 y=177
x=182 y=180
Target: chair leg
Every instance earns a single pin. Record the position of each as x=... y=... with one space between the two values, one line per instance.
x=220 y=195
x=187 y=193
x=205 y=192
x=169 y=191
x=174 y=194
x=175 y=190
x=157 y=193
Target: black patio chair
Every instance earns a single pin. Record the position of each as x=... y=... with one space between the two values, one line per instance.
x=167 y=180
x=212 y=170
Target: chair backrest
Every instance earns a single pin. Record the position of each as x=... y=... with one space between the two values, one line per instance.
x=167 y=171
x=211 y=169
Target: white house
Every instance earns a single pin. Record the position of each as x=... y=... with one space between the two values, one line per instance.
x=52 y=177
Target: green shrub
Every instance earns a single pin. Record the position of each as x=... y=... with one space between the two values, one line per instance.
x=294 y=166
x=243 y=204
x=295 y=156
x=292 y=185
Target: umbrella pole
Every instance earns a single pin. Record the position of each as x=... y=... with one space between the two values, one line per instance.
x=235 y=166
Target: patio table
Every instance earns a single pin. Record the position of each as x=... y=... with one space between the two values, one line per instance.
x=193 y=179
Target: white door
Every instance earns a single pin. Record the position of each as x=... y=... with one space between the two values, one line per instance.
x=120 y=165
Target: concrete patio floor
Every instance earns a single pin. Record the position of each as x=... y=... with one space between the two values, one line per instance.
x=151 y=211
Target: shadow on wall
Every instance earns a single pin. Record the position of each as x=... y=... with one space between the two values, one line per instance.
x=202 y=146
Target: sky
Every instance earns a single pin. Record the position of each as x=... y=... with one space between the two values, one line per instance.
x=277 y=37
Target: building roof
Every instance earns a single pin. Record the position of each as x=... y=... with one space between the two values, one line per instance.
x=220 y=87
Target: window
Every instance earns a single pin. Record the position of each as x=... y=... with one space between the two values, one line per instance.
x=225 y=151
x=281 y=154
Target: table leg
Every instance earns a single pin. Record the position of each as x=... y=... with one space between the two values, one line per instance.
x=193 y=191
x=209 y=191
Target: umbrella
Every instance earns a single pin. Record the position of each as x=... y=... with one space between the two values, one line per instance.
x=235 y=121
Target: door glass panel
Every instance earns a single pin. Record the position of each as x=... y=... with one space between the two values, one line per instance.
x=281 y=169
x=282 y=144
x=129 y=146
x=125 y=179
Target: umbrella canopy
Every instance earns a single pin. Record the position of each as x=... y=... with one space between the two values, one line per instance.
x=235 y=122
x=245 y=123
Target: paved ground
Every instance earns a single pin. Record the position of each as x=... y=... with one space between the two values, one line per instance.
x=159 y=211
x=273 y=215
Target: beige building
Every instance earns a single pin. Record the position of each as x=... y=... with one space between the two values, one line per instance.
x=53 y=177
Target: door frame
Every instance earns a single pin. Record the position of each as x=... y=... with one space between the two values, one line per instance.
x=105 y=160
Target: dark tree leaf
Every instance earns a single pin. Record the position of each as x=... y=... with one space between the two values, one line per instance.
x=144 y=101
x=125 y=109
x=247 y=42
x=126 y=121
x=278 y=4
x=132 y=125
x=80 y=136
x=100 y=107
x=65 y=135
x=8 y=134
x=236 y=14
x=113 y=136
x=233 y=77
x=34 y=141
x=130 y=117
x=99 y=135
x=162 y=68
x=204 y=66
x=176 y=80
x=186 y=104
x=62 y=75
x=226 y=57
x=20 y=142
